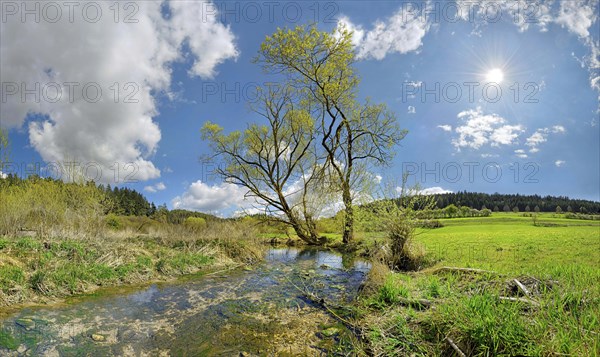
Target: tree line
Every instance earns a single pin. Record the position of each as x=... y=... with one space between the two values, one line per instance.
x=120 y=201
x=498 y=202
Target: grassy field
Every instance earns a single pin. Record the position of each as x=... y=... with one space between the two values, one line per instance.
x=558 y=262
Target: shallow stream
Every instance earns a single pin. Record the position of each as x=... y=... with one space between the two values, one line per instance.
x=260 y=311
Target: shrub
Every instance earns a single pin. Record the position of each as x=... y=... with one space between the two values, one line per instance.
x=431 y=223
x=195 y=224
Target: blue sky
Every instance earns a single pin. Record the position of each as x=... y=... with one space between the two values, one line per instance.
x=184 y=63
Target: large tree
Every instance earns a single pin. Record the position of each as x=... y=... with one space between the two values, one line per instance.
x=274 y=162
x=352 y=136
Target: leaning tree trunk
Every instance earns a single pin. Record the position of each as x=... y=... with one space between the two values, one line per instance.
x=309 y=236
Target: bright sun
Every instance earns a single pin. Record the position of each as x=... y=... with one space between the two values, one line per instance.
x=495 y=75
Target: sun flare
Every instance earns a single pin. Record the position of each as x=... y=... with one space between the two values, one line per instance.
x=495 y=75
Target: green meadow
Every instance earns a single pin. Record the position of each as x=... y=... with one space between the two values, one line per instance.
x=482 y=310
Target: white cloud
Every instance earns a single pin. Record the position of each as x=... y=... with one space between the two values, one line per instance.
x=357 y=32
x=445 y=127
x=402 y=33
x=434 y=191
x=412 y=110
x=505 y=135
x=540 y=136
x=521 y=13
x=485 y=156
x=536 y=139
x=425 y=191
x=521 y=154
x=200 y=196
x=577 y=16
x=480 y=129
x=154 y=188
x=559 y=163
x=129 y=62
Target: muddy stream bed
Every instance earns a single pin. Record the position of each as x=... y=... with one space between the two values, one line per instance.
x=239 y=312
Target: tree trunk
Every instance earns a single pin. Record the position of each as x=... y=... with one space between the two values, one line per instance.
x=348 y=234
x=309 y=236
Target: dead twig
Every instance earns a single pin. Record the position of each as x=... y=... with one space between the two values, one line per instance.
x=455 y=347
x=522 y=287
x=520 y=299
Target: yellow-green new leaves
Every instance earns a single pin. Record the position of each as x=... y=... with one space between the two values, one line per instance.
x=320 y=61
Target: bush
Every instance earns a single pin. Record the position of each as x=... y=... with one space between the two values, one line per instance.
x=431 y=224
x=195 y=224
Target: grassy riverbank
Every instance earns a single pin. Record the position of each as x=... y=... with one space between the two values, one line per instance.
x=557 y=262
x=39 y=270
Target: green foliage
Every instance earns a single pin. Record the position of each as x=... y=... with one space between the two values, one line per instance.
x=391 y=291
x=182 y=263
x=112 y=221
x=10 y=277
x=195 y=224
x=48 y=206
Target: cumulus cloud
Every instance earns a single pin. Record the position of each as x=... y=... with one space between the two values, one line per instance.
x=577 y=16
x=411 y=110
x=200 y=196
x=445 y=127
x=402 y=33
x=434 y=191
x=559 y=163
x=94 y=83
x=479 y=129
x=540 y=136
x=154 y=188
x=357 y=31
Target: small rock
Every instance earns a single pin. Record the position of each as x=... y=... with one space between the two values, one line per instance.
x=324 y=266
x=98 y=338
x=22 y=349
x=244 y=354
x=330 y=332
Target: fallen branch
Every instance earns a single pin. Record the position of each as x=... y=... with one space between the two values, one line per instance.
x=522 y=287
x=419 y=304
x=455 y=347
x=466 y=270
x=520 y=299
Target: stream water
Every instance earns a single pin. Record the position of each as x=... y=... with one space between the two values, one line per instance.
x=249 y=312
